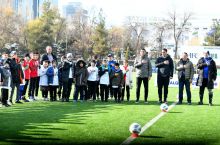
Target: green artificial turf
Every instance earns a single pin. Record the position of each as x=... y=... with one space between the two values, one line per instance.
x=43 y=122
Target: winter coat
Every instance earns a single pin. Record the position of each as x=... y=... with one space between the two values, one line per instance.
x=143 y=70
x=66 y=71
x=5 y=76
x=81 y=74
x=212 y=73
x=52 y=74
x=188 y=69
x=127 y=75
x=43 y=76
x=104 y=75
x=117 y=78
x=164 y=70
x=45 y=57
x=16 y=71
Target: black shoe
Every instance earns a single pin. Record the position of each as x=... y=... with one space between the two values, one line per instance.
x=18 y=102
x=200 y=103
x=179 y=103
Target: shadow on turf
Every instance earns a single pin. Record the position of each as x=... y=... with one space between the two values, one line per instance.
x=35 y=124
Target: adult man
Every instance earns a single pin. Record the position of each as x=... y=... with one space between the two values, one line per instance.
x=49 y=55
x=185 y=75
x=164 y=63
x=143 y=73
x=207 y=72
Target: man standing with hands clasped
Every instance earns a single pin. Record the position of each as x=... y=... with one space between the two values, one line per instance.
x=164 y=63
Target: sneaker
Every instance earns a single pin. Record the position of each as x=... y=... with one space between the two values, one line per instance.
x=160 y=102
x=210 y=104
x=189 y=103
x=74 y=101
x=145 y=102
x=18 y=102
x=137 y=102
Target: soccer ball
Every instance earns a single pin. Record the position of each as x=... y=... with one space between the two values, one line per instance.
x=135 y=128
x=164 y=107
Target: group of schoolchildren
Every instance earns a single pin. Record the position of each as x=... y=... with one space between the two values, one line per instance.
x=90 y=80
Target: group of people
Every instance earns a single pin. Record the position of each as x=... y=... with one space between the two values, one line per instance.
x=96 y=79
x=206 y=69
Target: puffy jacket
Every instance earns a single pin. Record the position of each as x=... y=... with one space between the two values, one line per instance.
x=188 y=69
x=143 y=70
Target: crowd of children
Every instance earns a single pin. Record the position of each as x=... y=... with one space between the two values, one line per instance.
x=92 y=80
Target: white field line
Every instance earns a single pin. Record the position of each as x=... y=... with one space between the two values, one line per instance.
x=149 y=124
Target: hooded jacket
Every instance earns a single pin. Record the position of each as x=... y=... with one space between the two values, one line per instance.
x=81 y=73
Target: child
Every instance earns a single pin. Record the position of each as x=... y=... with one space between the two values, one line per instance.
x=60 y=70
x=22 y=82
x=44 y=79
x=25 y=67
x=5 y=82
x=116 y=77
x=53 y=80
x=67 y=77
x=104 y=81
x=81 y=75
x=17 y=76
x=33 y=65
x=127 y=73
x=92 y=80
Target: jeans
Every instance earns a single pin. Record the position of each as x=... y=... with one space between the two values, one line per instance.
x=181 y=88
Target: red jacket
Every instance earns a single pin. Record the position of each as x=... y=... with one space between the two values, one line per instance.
x=27 y=71
x=33 y=65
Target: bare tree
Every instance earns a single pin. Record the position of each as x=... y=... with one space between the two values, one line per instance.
x=178 y=26
x=138 y=27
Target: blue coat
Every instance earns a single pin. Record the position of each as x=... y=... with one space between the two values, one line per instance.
x=50 y=74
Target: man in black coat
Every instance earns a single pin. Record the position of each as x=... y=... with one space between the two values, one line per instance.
x=48 y=55
x=207 y=74
x=164 y=63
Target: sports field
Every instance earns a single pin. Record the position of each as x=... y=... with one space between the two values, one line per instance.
x=42 y=122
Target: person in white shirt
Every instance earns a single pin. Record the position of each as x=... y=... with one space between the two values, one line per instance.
x=104 y=81
x=92 y=80
x=53 y=80
x=127 y=73
x=44 y=79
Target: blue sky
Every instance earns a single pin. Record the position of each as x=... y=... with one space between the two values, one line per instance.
x=116 y=10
